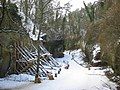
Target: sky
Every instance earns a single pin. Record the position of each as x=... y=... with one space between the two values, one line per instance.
x=76 y=3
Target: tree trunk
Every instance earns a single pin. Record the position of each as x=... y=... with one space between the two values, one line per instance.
x=3 y=11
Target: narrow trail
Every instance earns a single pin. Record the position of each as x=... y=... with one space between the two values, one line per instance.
x=74 y=78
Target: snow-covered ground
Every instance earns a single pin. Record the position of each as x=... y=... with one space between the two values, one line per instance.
x=76 y=77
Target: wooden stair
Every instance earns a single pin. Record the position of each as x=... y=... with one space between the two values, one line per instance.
x=24 y=67
x=27 y=63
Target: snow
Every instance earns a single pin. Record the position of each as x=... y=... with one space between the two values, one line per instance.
x=29 y=25
x=13 y=81
x=6 y=84
x=76 y=77
x=96 y=61
x=96 y=50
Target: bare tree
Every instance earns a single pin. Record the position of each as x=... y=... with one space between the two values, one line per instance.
x=42 y=4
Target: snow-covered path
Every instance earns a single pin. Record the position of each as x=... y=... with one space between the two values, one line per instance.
x=74 y=78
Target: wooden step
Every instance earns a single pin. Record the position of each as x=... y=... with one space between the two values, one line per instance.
x=26 y=67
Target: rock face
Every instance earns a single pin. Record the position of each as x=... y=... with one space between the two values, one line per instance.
x=58 y=55
x=50 y=76
x=97 y=62
x=97 y=57
x=55 y=47
x=37 y=79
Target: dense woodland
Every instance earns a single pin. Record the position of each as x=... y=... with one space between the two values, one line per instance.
x=97 y=23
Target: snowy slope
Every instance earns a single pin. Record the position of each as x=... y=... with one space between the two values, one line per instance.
x=29 y=25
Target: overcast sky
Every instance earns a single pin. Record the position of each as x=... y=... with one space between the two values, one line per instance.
x=76 y=3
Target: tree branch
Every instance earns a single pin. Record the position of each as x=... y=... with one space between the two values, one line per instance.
x=46 y=3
